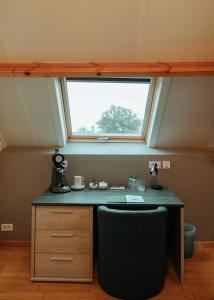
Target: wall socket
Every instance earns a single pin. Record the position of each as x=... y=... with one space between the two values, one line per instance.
x=151 y=164
x=6 y=227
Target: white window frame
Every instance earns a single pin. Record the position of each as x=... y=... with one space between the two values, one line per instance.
x=110 y=138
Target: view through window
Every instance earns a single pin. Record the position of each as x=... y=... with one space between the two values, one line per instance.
x=108 y=107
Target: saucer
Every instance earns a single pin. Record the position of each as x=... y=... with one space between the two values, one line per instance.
x=103 y=187
x=78 y=188
x=93 y=187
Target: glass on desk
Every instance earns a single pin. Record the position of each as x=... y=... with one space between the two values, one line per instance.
x=140 y=185
x=136 y=184
x=132 y=182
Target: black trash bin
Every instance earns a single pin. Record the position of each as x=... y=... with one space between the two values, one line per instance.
x=189 y=239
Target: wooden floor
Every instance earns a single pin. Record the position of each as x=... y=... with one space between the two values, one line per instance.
x=15 y=281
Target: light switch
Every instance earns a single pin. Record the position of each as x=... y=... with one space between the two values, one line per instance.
x=166 y=164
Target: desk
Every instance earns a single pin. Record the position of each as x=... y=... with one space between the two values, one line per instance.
x=116 y=198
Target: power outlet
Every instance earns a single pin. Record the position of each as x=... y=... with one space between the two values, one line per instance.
x=151 y=164
x=6 y=227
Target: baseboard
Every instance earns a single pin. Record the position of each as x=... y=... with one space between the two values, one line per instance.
x=27 y=243
x=14 y=243
x=204 y=244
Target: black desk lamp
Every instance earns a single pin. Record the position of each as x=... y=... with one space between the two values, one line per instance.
x=154 y=172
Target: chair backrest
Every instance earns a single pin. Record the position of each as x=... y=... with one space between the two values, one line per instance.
x=132 y=251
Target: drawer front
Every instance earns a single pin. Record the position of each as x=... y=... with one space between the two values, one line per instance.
x=63 y=217
x=63 y=241
x=63 y=265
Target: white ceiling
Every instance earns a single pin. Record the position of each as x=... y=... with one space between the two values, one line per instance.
x=30 y=115
x=107 y=30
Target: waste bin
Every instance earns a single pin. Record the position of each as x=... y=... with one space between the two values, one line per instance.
x=189 y=239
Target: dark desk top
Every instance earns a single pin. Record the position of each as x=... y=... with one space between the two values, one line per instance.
x=109 y=197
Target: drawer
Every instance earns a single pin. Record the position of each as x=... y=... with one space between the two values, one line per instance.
x=63 y=217
x=63 y=265
x=63 y=241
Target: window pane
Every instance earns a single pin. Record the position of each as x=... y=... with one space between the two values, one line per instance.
x=107 y=108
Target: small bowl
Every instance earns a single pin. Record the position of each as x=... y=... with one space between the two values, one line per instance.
x=93 y=186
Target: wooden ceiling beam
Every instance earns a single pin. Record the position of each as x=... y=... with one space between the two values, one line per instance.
x=67 y=69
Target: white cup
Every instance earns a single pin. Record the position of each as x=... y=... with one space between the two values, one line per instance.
x=78 y=181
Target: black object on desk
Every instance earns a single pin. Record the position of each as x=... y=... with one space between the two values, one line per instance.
x=154 y=172
x=59 y=183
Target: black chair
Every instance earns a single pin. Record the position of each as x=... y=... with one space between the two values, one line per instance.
x=132 y=252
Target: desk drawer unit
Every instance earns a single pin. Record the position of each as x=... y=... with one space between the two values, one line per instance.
x=63 y=265
x=62 y=217
x=62 y=239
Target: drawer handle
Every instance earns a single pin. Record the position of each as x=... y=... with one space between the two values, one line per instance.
x=62 y=235
x=62 y=211
x=61 y=259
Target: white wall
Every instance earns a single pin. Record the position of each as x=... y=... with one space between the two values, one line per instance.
x=107 y=30
x=30 y=112
x=188 y=119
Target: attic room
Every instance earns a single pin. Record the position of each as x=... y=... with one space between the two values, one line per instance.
x=66 y=175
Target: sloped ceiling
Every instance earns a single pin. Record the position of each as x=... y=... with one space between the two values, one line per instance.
x=29 y=113
x=188 y=119
x=107 y=30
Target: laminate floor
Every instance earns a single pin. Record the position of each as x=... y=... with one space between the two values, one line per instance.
x=15 y=283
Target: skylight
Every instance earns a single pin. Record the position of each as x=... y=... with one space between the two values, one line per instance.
x=111 y=107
